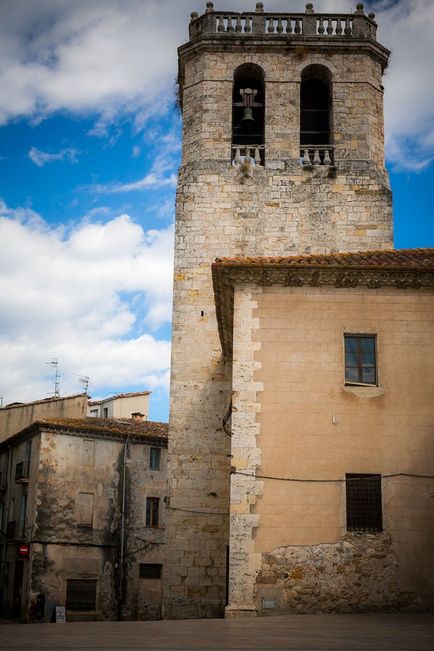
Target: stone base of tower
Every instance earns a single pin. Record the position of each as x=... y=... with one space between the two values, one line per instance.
x=240 y=612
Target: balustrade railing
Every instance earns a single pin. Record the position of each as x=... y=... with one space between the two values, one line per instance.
x=317 y=155
x=356 y=25
x=253 y=154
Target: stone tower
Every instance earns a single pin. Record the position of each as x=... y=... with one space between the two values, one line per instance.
x=283 y=154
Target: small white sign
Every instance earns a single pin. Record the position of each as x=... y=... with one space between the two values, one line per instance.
x=60 y=615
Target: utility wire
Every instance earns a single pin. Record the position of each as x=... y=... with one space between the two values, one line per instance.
x=332 y=481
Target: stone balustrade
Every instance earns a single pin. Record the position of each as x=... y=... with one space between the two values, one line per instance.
x=316 y=155
x=260 y=23
x=253 y=154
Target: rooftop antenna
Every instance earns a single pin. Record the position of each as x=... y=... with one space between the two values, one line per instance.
x=84 y=379
x=55 y=364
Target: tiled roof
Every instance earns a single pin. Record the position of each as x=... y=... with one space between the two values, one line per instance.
x=391 y=259
x=121 y=426
x=120 y=395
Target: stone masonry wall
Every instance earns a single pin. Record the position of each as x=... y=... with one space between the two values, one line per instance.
x=280 y=210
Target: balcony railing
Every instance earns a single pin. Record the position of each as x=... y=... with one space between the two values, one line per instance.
x=316 y=155
x=274 y=24
x=253 y=154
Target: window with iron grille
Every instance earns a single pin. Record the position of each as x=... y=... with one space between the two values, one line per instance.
x=154 y=458
x=81 y=594
x=364 y=510
x=150 y=570
x=360 y=359
x=152 y=509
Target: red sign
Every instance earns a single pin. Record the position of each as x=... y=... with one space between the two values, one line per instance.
x=23 y=550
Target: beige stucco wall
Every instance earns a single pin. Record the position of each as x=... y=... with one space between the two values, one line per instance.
x=308 y=426
x=16 y=417
x=120 y=407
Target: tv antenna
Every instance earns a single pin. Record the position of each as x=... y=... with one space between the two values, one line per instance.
x=55 y=364
x=84 y=379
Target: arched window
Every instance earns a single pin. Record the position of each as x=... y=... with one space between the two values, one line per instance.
x=315 y=106
x=248 y=112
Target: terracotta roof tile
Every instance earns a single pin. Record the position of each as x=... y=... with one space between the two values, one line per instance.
x=118 y=427
x=397 y=258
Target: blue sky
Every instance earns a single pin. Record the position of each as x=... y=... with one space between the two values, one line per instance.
x=89 y=150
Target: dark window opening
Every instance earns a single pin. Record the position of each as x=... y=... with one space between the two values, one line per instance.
x=152 y=511
x=315 y=106
x=248 y=109
x=364 y=510
x=150 y=570
x=105 y=412
x=154 y=458
x=81 y=594
x=360 y=359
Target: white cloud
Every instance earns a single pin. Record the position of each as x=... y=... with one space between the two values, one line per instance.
x=150 y=181
x=40 y=158
x=115 y=58
x=79 y=296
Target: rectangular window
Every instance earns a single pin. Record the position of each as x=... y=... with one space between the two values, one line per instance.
x=105 y=412
x=152 y=509
x=360 y=359
x=81 y=594
x=154 y=458
x=85 y=509
x=88 y=452
x=22 y=520
x=150 y=570
x=364 y=510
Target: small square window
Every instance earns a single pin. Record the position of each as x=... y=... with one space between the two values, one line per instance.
x=360 y=359
x=152 y=511
x=150 y=570
x=154 y=458
x=364 y=509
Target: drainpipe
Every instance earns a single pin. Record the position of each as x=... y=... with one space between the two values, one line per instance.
x=122 y=543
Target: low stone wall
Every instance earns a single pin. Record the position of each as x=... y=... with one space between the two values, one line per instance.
x=358 y=573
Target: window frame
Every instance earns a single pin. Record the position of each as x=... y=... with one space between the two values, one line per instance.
x=152 y=517
x=85 y=607
x=151 y=466
x=373 y=496
x=358 y=336
x=151 y=574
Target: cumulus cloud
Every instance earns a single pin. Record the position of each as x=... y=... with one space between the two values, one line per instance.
x=40 y=158
x=118 y=57
x=90 y=296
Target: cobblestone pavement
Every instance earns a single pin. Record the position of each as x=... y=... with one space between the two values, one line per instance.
x=300 y=633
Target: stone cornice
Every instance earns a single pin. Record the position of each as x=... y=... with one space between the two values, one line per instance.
x=225 y=277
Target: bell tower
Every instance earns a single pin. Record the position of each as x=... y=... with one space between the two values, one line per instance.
x=283 y=154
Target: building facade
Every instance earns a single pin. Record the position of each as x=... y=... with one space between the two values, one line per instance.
x=122 y=405
x=82 y=516
x=19 y=415
x=283 y=155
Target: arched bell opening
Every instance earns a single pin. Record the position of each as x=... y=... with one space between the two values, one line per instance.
x=316 y=134
x=248 y=113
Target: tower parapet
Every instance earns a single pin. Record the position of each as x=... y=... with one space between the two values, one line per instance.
x=275 y=24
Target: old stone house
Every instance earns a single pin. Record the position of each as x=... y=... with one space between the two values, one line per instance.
x=82 y=517
x=18 y=415
x=300 y=436
x=121 y=405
